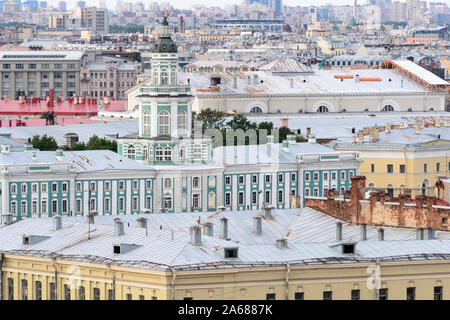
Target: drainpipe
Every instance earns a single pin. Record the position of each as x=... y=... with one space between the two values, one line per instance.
x=174 y=275
x=56 y=278
x=288 y=269
x=113 y=281
x=1 y=276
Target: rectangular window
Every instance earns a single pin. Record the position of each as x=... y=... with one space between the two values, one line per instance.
x=64 y=205
x=425 y=167
x=382 y=294
x=333 y=176
x=55 y=187
x=227 y=199
x=254 y=197
x=299 y=296
x=96 y=293
x=254 y=179
x=271 y=296
x=325 y=176
x=241 y=198
x=411 y=293
x=34 y=187
x=268 y=178
x=438 y=293
x=121 y=185
x=241 y=179
x=19 y=65
x=81 y=293
x=280 y=178
x=54 y=206
x=23 y=188
x=293 y=177
x=58 y=66
x=280 y=196
x=227 y=181
x=52 y=291
x=141 y=297
x=402 y=168
x=24 y=289
x=13 y=207
x=135 y=185
x=38 y=290
x=107 y=205
x=34 y=207
x=23 y=208
x=78 y=205
x=135 y=204
x=92 y=187
x=195 y=201
x=307 y=192
x=438 y=167
x=148 y=202
x=148 y=184
x=342 y=175
x=66 y=292
x=78 y=187
x=44 y=187
x=390 y=168
x=121 y=204
x=268 y=198
x=44 y=206
x=316 y=176
x=110 y=294
x=129 y=296
x=356 y=295
x=6 y=66
x=14 y=188
x=328 y=295
x=10 y=289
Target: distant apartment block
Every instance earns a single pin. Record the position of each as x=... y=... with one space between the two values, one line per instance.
x=94 y=19
x=36 y=72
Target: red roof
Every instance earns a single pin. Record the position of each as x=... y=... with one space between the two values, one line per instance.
x=64 y=108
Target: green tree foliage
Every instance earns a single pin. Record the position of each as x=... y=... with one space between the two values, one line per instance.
x=283 y=132
x=78 y=146
x=353 y=22
x=240 y=121
x=211 y=119
x=44 y=143
x=382 y=28
x=128 y=28
x=96 y=143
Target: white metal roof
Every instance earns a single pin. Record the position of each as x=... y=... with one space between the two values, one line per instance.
x=420 y=72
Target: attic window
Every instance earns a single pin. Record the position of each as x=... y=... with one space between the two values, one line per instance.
x=117 y=249
x=26 y=240
x=231 y=253
x=348 y=248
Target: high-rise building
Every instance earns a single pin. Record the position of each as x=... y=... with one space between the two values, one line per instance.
x=62 y=5
x=42 y=4
x=275 y=5
x=81 y=4
x=33 y=4
x=95 y=19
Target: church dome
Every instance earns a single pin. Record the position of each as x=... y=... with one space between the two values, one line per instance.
x=164 y=43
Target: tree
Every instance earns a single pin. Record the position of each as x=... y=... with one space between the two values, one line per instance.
x=353 y=22
x=382 y=28
x=44 y=143
x=79 y=146
x=283 y=132
x=96 y=143
x=240 y=121
x=211 y=119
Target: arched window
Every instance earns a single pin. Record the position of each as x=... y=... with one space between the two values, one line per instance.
x=388 y=108
x=159 y=153
x=366 y=110
x=196 y=182
x=390 y=190
x=211 y=200
x=181 y=121
x=164 y=77
x=197 y=151
x=146 y=123
x=256 y=110
x=322 y=109
x=131 y=152
x=145 y=152
x=167 y=153
x=167 y=183
x=164 y=122
x=173 y=75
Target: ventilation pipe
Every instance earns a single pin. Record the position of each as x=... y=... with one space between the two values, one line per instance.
x=363 y=231
x=257 y=222
x=57 y=223
x=209 y=229
x=196 y=236
x=224 y=228
x=267 y=211
x=235 y=82
x=380 y=234
x=118 y=228
x=285 y=147
x=59 y=155
x=339 y=231
x=291 y=83
x=356 y=78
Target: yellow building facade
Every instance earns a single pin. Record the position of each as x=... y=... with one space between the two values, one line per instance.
x=33 y=278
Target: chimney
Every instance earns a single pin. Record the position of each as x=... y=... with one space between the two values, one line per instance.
x=372 y=137
x=57 y=223
x=356 y=78
x=308 y=132
x=27 y=147
x=284 y=122
x=255 y=78
x=291 y=83
x=257 y=222
x=291 y=139
x=417 y=129
x=235 y=82
x=91 y=218
x=380 y=234
x=311 y=139
x=270 y=139
x=208 y=229
x=339 y=231
x=5 y=148
x=419 y=234
x=34 y=156
x=285 y=147
x=142 y=222
x=363 y=231
x=118 y=228
x=358 y=185
x=196 y=236
x=224 y=228
x=387 y=129
x=59 y=155
x=249 y=79
x=267 y=211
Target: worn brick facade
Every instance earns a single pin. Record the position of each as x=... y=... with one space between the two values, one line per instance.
x=383 y=211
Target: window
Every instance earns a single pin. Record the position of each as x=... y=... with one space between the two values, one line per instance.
x=13 y=188
x=271 y=296
x=10 y=289
x=307 y=192
x=58 y=66
x=182 y=121
x=23 y=188
x=146 y=123
x=390 y=168
x=241 y=198
x=64 y=187
x=254 y=197
x=64 y=206
x=196 y=182
x=24 y=289
x=121 y=204
x=268 y=197
x=148 y=185
x=107 y=186
x=164 y=123
x=299 y=296
x=148 y=202
x=81 y=293
x=425 y=167
x=197 y=151
x=32 y=65
x=66 y=292
x=34 y=187
x=411 y=293
x=167 y=183
x=438 y=293
x=280 y=196
x=254 y=179
x=159 y=153
x=382 y=294
x=388 y=108
x=23 y=208
x=402 y=168
x=328 y=295
x=227 y=199
x=322 y=109
x=167 y=203
x=121 y=185
x=307 y=176
x=241 y=179
x=19 y=65
x=44 y=206
x=167 y=153
x=134 y=204
x=135 y=185
x=141 y=297
x=227 y=180
x=34 y=208
x=316 y=176
x=131 y=152
x=325 y=176
x=55 y=187
x=293 y=177
x=38 y=290
x=129 y=296
x=438 y=166
x=342 y=175
x=356 y=295
x=52 y=291
x=110 y=294
x=316 y=192
x=78 y=205
x=6 y=66
x=196 y=201
x=280 y=177
x=268 y=177
x=333 y=176
x=13 y=207
x=96 y=293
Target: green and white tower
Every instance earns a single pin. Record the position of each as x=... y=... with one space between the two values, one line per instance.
x=165 y=113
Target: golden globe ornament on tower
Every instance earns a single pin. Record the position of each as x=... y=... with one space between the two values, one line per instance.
x=165 y=14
